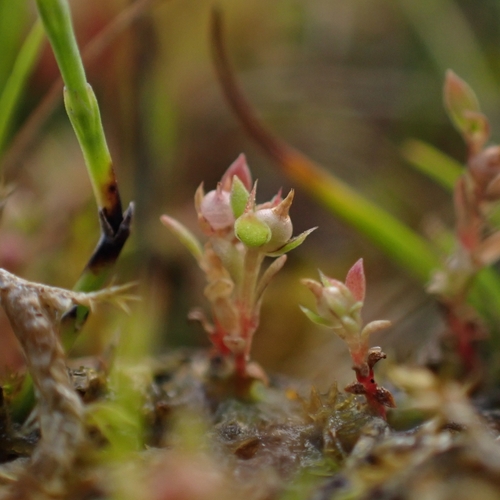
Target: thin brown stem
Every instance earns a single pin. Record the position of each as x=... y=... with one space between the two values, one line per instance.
x=274 y=147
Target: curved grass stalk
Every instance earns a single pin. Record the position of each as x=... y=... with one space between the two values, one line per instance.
x=415 y=254
x=398 y=241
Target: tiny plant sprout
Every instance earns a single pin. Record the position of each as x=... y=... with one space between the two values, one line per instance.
x=477 y=240
x=339 y=307
x=241 y=233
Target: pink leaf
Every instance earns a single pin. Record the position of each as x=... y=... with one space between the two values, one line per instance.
x=239 y=167
x=356 y=282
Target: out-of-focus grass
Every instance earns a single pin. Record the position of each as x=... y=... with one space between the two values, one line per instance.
x=432 y=162
x=443 y=27
x=14 y=85
x=13 y=19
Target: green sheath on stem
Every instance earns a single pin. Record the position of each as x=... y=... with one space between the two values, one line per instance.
x=82 y=107
x=83 y=111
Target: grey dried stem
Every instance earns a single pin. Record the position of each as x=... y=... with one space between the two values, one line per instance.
x=34 y=311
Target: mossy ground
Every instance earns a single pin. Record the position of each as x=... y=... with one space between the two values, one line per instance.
x=202 y=439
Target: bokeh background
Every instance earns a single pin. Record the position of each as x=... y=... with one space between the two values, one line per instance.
x=345 y=82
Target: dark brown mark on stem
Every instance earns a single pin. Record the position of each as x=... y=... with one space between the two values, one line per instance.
x=112 y=206
x=111 y=242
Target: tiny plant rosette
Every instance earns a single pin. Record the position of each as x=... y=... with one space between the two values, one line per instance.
x=339 y=306
x=241 y=233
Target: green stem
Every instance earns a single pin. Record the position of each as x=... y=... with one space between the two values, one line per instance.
x=83 y=111
x=82 y=107
x=248 y=305
x=253 y=261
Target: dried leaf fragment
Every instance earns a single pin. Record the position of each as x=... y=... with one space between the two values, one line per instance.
x=34 y=311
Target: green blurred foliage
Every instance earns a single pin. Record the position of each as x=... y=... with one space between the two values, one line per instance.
x=13 y=19
x=345 y=82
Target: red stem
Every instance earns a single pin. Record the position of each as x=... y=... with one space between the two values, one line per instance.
x=370 y=387
x=465 y=332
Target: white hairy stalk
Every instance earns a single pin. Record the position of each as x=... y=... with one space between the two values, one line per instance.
x=34 y=311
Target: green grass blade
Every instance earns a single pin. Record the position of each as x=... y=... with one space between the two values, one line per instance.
x=14 y=86
x=13 y=21
x=82 y=107
x=394 y=238
x=433 y=163
x=84 y=114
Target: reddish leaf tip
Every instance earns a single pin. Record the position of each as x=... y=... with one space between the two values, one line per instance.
x=240 y=169
x=356 y=281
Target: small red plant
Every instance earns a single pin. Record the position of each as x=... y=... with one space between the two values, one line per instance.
x=240 y=235
x=476 y=193
x=339 y=308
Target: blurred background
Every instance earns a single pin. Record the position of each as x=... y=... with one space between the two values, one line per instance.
x=345 y=82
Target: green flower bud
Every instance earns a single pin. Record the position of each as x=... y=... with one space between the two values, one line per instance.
x=251 y=231
x=338 y=299
x=337 y=306
x=280 y=227
x=279 y=222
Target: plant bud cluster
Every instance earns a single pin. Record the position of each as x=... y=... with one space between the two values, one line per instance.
x=240 y=234
x=339 y=308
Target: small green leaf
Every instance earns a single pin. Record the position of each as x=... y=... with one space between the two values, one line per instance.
x=459 y=96
x=315 y=318
x=186 y=237
x=326 y=281
x=293 y=243
x=269 y=274
x=239 y=197
x=119 y=426
x=374 y=326
x=251 y=231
